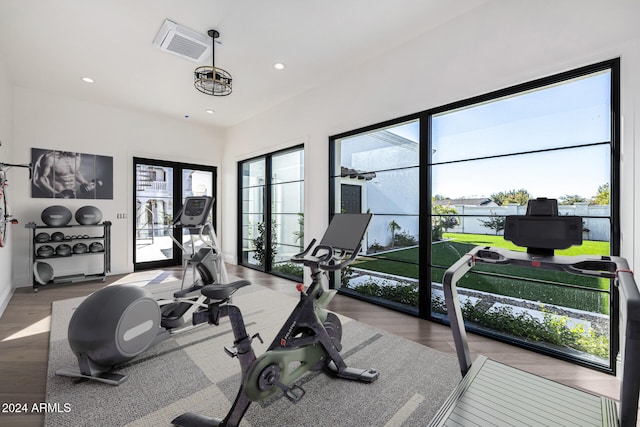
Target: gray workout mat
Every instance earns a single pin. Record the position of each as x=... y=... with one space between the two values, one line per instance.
x=191 y=372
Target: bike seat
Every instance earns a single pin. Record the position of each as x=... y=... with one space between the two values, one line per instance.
x=221 y=292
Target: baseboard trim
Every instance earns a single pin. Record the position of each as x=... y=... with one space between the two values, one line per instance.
x=4 y=300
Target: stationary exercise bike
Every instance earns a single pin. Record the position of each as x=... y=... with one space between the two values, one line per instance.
x=117 y=323
x=309 y=340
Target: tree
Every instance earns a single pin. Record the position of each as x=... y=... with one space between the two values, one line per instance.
x=521 y=197
x=441 y=220
x=393 y=227
x=604 y=195
x=494 y=223
x=571 y=199
x=259 y=242
x=449 y=222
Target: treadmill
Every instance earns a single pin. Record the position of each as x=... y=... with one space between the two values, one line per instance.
x=495 y=394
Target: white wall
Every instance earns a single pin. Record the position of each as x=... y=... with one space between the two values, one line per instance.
x=500 y=44
x=53 y=122
x=6 y=137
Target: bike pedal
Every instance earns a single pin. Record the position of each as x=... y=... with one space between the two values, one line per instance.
x=232 y=352
x=292 y=396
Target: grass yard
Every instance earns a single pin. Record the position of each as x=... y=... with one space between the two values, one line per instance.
x=401 y=262
x=404 y=262
x=588 y=247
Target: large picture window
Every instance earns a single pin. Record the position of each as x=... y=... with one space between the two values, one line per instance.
x=480 y=160
x=377 y=171
x=272 y=211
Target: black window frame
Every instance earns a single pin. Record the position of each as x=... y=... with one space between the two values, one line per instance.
x=177 y=191
x=424 y=310
x=267 y=214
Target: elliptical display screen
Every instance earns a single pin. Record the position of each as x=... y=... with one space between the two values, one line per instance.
x=195 y=210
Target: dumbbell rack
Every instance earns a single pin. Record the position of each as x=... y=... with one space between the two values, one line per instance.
x=78 y=231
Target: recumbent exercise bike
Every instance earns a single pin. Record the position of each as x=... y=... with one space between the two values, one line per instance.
x=117 y=323
x=309 y=340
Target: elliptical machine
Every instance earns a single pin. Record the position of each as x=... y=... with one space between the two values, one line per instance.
x=117 y=323
x=206 y=261
x=309 y=340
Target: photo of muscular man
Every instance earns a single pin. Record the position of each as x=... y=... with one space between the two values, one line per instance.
x=66 y=175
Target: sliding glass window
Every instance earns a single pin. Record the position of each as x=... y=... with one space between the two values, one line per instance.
x=490 y=156
x=272 y=211
x=442 y=181
x=377 y=171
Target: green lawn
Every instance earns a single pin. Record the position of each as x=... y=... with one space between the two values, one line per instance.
x=588 y=247
x=403 y=262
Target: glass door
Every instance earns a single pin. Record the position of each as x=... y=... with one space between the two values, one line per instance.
x=271 y=195
x=195 y=182
x=160 y=189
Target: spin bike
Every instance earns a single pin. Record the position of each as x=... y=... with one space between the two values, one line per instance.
x=309 y=340
x=117 y=323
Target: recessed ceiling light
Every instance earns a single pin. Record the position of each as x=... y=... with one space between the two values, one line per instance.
x=210 y=111
x=87 y=80
x=279 y=66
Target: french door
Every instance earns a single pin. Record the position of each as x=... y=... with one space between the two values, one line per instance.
x=159 y=191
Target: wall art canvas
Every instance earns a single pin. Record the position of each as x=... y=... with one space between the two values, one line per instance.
x=70 y=175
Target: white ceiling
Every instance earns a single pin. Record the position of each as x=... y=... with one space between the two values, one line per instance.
x=49 y=45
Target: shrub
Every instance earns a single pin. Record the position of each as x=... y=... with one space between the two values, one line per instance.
x=375 y=247
x=289 y=269
x=404 y=294
x=553 y=329
x=404 y=239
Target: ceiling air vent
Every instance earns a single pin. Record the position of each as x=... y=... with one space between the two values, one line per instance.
x=183 y=42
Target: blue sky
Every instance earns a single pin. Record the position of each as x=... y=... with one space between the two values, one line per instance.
x=572 y=113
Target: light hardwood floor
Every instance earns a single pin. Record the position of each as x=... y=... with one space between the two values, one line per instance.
x=23 y=360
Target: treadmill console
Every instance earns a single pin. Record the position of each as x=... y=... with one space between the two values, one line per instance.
x=195 y=210
x=542 y=230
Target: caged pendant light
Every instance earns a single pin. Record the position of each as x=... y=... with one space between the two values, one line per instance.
x=210 y=79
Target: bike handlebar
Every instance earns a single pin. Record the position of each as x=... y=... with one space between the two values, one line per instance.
x=324 y=260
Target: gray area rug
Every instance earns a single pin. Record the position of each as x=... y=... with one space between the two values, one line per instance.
x=191 y=372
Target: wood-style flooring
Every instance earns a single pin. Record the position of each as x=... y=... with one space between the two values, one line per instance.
x=23 y=360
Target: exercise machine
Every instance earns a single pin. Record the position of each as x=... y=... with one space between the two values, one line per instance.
x=535 y=400
x=309 y=340
x=117 y=323
x=202 y=254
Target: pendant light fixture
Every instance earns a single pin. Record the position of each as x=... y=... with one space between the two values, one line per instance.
x=211 y=79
